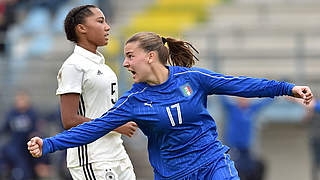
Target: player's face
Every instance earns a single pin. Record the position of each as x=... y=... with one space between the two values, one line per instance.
x=136 y=61
x=97 y=29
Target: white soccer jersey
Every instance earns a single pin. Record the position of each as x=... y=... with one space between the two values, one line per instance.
x=87 y=74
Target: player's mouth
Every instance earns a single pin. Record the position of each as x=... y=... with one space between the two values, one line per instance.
x=133 y=73
x=106 y=36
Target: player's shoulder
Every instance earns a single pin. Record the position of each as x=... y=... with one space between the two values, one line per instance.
x=75 y=61
x=191 y=71
x=137 y=89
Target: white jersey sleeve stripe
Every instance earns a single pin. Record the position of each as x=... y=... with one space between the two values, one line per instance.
x=219 y=77
x=128 y=98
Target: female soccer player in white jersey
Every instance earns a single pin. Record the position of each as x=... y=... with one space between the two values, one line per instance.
x=169 y=104
x=88 y=88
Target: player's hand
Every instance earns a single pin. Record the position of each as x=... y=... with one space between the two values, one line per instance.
x=127 y=129
x=303 y=92
x=35 y=147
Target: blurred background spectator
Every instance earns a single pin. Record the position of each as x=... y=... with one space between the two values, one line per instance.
x=312 y=119
x=276 y=39
x=239 y=133
x=21 y=124
x=52 y=119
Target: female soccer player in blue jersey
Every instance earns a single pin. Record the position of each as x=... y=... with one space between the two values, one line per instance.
x=169 y=104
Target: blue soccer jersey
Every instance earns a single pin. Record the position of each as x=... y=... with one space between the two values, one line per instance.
x=182 y=135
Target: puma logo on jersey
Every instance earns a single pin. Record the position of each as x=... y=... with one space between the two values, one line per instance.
x=99 y=72
x=148 y=104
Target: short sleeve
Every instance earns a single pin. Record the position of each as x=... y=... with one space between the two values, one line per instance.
x=69 y=80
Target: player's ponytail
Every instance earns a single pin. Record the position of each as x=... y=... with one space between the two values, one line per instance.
x=178 y=53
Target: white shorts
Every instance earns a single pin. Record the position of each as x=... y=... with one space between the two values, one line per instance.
x=112 y=170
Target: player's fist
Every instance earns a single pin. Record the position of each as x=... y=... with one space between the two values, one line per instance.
x=303 y=92
x=35 y=147
x=127 y=129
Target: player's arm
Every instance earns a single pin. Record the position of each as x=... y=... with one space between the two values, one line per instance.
x=89 y=131
x=215 y=83
x=70 y=79
x=70 y=117
x=82 y=134
x=69 y=104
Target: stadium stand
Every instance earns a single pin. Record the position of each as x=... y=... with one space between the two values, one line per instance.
x=276 y=39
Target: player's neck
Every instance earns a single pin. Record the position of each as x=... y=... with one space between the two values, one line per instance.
x=160 y=74
x=90 y=47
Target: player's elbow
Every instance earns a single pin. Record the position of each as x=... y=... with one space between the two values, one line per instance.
x=67 y=122
x=66 y=126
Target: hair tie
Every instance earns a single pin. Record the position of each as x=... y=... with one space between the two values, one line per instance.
x=164 y=40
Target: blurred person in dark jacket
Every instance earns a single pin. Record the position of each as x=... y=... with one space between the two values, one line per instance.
x=20 y=124
x=57 y=160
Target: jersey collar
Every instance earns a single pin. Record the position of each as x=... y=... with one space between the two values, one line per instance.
x=97 y=58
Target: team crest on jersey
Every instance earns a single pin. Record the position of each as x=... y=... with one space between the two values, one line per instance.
x=186 y=89
x=110 y=175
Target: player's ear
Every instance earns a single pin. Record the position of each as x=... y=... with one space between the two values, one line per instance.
x=81 y=28
x=151 y=56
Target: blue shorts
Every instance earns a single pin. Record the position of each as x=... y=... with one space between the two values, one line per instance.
x=221 y=169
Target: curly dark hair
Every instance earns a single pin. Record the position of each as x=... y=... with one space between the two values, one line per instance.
x=74 y=17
